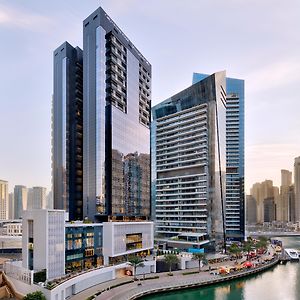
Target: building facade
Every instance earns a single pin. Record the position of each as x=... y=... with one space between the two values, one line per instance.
x=43 y=241
x=4 y=200
x=291 y=200
x=269 y=210
x=116 y=114
x=83 y=245
x=20 y=200
x=11 y=206
x=282 y=209
x=36 y=198
x=235 y=161
x=260 y=192
x=297 y=188
x=67 y=130
x=190 y=143
x=250 y=210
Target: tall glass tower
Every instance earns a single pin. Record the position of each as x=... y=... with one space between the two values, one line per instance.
x=188 y=150
x=67 y=130
x=235 y=195
x=116 y=143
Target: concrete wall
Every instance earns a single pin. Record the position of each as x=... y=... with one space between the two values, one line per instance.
x=114 y=237
x=72 y=286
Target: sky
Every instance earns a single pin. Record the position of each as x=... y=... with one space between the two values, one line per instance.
x=258 y=41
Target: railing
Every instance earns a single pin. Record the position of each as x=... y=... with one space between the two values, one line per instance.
x=15 y=270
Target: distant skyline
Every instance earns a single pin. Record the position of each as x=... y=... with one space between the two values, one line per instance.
x=258 y=41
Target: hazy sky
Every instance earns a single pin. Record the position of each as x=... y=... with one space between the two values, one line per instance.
x=258 y=41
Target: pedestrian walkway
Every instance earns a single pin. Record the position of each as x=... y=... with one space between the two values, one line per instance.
x=130 y=289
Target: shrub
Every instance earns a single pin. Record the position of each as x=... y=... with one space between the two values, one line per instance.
x=38 y=295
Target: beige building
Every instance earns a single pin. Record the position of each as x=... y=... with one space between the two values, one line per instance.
x=37 y=198
x=297 y=188
x=3 y=200
x=260 y=192
x=282 y=209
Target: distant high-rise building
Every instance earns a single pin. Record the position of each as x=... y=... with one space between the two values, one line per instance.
x=36 y=198
x=269 y=209
x=291 y=197
x=4 y=206
x=250 y=210
x=67 y=130
x=297 y=188
x=116 y=115
x=235 y=194
x=20 y=200
x=262 y=191
x=11 y=205
x=49 y=200
x=282 y=209
x=189 y=152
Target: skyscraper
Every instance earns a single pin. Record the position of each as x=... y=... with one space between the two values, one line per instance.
x=297 y=188
x=262 y=191
x=20 y=200
x=36 y=198
x=292 y=204
x=189 y=145
x=250 y=210
x=269 y=209
x=235 y=194
x=116 y=114
x=3 y=200
x=67 y=130
x=11 y=204
x=282 y=209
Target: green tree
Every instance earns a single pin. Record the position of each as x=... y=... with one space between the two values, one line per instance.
x=262 y=243
x=38 y=295
x=170 y=260
x=247 y=247
x=201 y=257
x=234 y=250
x=135 y=262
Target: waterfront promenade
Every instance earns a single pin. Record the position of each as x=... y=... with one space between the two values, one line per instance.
x=133 y=290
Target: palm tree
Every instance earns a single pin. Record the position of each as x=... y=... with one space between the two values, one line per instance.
x=170 y=260
x=262 y=243
x=201 y=257
x=247 y=247
x=235 y=250
x=135 y=262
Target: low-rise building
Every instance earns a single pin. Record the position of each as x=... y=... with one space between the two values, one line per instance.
x=66 y=258
x=13 y=229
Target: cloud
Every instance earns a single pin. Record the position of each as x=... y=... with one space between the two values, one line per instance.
x=21 y=19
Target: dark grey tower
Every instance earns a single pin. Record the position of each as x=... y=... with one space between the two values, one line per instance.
x=189 y=160
x=117 y=101
x=67 y=130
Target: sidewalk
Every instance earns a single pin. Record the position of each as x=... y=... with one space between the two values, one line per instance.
x=127 y=291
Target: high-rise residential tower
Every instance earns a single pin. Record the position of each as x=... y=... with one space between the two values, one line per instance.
x=20 y=200
x=116 y=115
x=67 y=130
x=250 y=210
x=189 y=144
x=262 y=191
x=282 y=209
x=3 y=200
x=11 y=205
x=297 y=188
x=235 y=194
x=36 y=198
